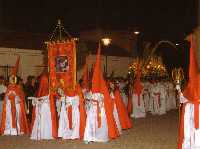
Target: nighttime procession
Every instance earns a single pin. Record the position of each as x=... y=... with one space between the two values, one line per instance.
x=99 y=74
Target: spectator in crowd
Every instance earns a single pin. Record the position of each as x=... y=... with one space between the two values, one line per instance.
x=30 y=91
x=2 y=87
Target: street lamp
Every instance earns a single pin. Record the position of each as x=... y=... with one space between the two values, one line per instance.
x=138 y=42
x=106 y=42
x=136 y=32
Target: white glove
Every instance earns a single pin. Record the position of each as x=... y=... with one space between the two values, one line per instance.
x=178 y=88
x=182 y=98
x=34 y=101
x=58 y=106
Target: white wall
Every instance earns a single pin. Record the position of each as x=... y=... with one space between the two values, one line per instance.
x=29 y=60
x=117 y=64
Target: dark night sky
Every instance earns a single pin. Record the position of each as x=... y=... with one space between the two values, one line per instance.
x=158 y=19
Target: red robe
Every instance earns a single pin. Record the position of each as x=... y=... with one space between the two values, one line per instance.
x=44 y=91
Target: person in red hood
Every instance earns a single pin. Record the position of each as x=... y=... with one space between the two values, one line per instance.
x=100 y=122
x=111 y=87
x=189 y=133
x=137 y=98
x=14 y=121
x=43 y=119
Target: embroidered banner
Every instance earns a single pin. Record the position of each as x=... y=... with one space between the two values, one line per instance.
x=62 y=64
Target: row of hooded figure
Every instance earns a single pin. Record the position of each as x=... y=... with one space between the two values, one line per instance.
x=95 y=115
x=156 y=97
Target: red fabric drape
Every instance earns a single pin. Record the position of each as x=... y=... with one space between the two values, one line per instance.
x=69 y=110
x=137 y=87
x=122 y=112
x=192 y=90
x=112 y=126
x=82 y=111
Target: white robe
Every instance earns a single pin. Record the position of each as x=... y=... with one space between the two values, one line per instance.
x=42 y=127
x=138 y=110
x=63 y=130
x=87 y=96
x=9 y=130
x=163 y=98
x=122 y=93
x=92 y=132
x=191 y=134
x=171 y=104
x=158 y=103
x=146 y=95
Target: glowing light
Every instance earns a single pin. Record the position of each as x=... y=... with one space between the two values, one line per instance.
x=106 y=41
x=136 y=32
x=76 y=39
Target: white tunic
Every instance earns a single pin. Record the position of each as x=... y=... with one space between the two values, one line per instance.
x=146 y=95
x=163 y=98
x=158 y=99
x=63 y=130
x=9 y=130
x=92 y=131
x=171 y=104
x=42 y=127
x=191 y=134
x=138 y=106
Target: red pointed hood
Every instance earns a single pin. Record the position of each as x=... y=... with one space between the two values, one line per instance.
x=192 y=91
x=14 y=70
x=44 y=86
x=99 y=86
x=97 y=75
